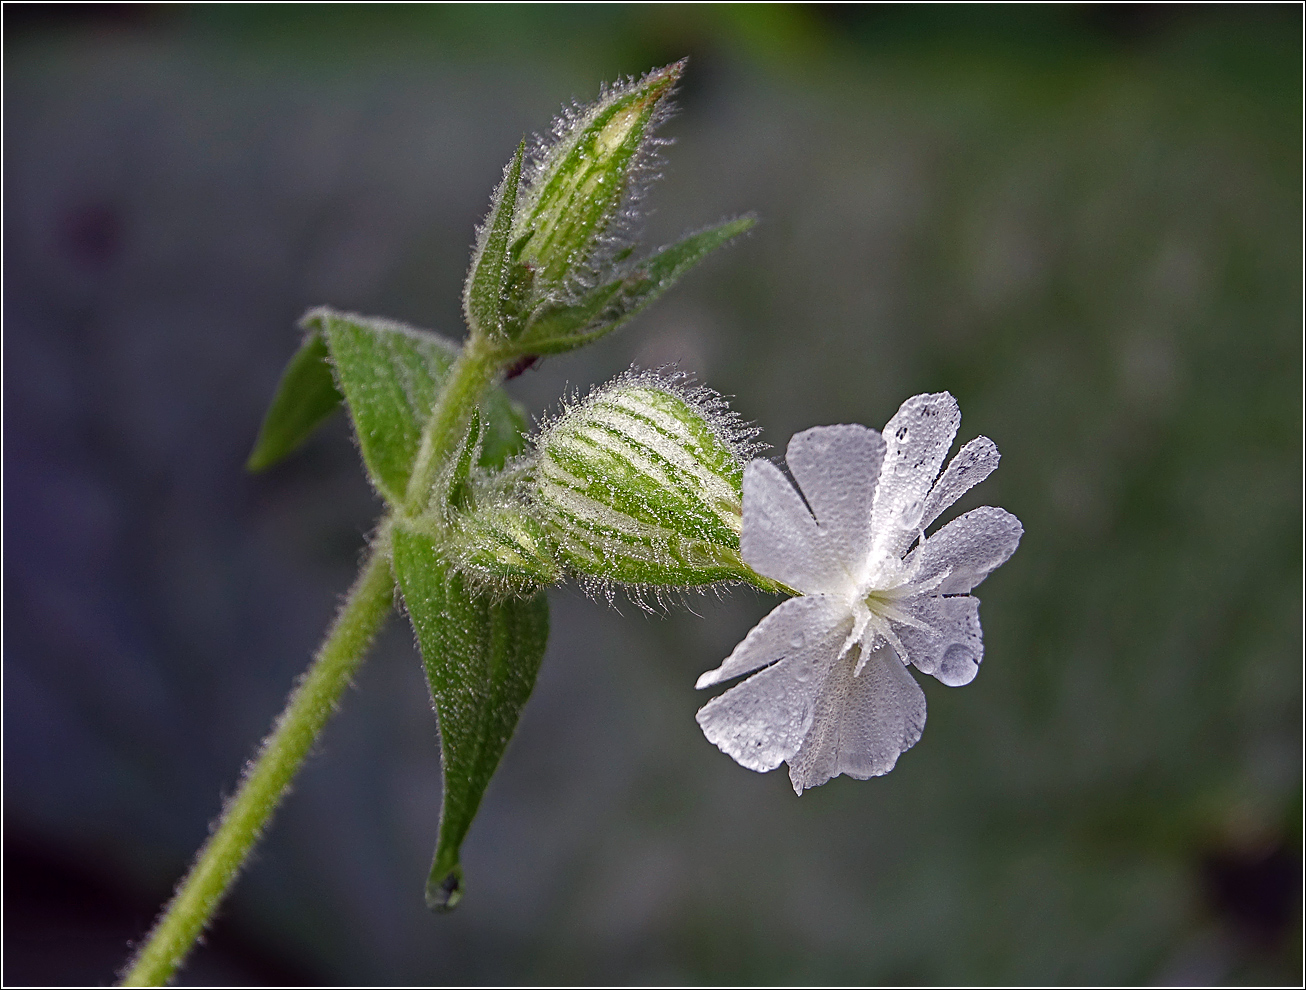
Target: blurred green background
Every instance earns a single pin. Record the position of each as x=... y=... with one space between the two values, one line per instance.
x=1083 y=221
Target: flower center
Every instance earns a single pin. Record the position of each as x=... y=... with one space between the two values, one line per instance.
x=877 y=607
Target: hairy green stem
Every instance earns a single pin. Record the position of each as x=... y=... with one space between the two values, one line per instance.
x=470 y=376
x=246 y=814
x=314 y=701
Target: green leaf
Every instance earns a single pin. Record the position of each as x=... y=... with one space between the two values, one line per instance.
x=560 y=328
x=483 y=294
x=390 y=375
x=505 y=425
x=460 y=485
x=306 y=395
x=557 y=327
x=664 y=269
x=481 y=656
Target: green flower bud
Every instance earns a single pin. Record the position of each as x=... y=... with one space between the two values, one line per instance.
x=554 y=266
x=642 y=484
x=502 y=546
x=574 y=191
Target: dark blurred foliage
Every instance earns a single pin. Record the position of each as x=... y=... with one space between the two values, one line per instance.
x=1085 y=222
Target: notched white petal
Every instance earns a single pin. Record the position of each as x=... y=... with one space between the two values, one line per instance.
x=837 y=468
x=792 y=629
x=763 y=721
x=862 y=724
x=973 y=463
x=969 y=548
x=780 y=539
x=917 y=438
x=948 y=643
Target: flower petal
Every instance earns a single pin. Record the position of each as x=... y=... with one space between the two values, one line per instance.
x=953 y=650
x=973 y=463
x=837 y=468
x=794 y=627
x=968 y=549
x=862 y=723
x=917 y=439
x=780 y=538
x=762 y=722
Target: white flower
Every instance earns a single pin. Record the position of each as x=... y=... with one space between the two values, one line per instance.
x=835 y=696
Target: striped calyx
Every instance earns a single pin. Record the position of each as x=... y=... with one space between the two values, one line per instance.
x=504 y=547
x=641 y=484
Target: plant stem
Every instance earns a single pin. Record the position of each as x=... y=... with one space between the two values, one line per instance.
x=314 y=700
x=245 y=815
x=471 y=374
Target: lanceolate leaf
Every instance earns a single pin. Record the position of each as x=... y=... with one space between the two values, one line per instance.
x=481 y=655
x=505 y=429
x=390 y=375
x=483 y=296
x=557 y=327
x=560 y=328
x=306 y=395
x=664 y=269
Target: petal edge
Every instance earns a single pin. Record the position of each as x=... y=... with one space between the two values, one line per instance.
x=791 y=629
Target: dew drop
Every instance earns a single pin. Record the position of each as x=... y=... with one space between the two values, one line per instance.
x=958 y=665
x=444 y=895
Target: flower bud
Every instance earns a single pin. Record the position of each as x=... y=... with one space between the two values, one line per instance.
x=642 y=484
x=502 y=545
x=575 y=190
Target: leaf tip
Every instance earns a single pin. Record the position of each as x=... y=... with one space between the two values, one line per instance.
x=742 y=224
x=444 y=893
x=315 y=320
x=259 y=460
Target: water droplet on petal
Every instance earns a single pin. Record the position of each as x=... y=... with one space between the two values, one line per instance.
x=958 y=665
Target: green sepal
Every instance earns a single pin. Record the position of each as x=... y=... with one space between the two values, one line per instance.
x=306 y=395
x=483 y=293
x=390 y=375
x=481 y=656
x=556 y=327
